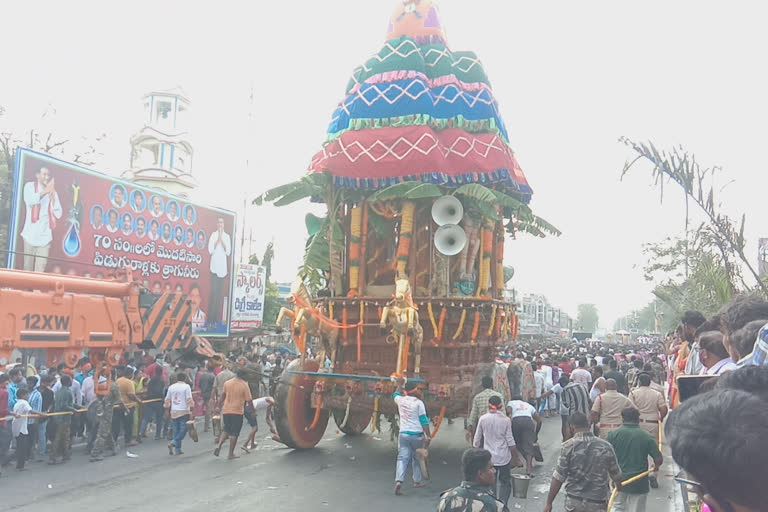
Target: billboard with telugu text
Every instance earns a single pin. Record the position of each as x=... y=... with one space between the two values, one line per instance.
x=248 y=297
x=70 y=220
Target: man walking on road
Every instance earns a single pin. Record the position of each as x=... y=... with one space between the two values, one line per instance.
x=633 y=446
x=480 y=405
x=494 y=433
x=615 y=374
x=653 y=408
x=414 y=432
x=474 y=494
x=206 y=382
x=124 y=419
x=575 y=398
x=105 y=407
x=586 y=466
x=606 y=411
x=178 y=407
x=235 y=397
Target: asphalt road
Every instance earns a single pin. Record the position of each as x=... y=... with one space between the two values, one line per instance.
x=344 y=473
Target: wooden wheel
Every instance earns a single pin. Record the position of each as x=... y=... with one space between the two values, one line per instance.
x=356 y=422
x=293 y=408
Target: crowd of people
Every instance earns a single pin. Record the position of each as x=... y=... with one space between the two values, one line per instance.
x=613 y=400
x=44 y=414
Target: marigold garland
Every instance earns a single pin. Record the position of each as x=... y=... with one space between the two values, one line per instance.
x=461 y=325
x=493 y=320
x=406 y=232
x=475 y=327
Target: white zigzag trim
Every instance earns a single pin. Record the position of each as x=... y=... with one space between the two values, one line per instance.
x=470 y=98
x=401 y=148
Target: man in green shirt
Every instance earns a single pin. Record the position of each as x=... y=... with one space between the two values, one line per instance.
x=63 y=403
x=633 y=446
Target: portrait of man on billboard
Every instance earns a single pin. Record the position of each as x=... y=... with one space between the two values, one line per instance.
x=190 y=215
x=190 y=240
x=173 y=211
x=97 y=217
x=117 y=195
x=166 y=233
x=198 y=315
x=156 y=206
x=138 y=201
x=141 y=227
x=154 y=228
x=112 y=226
x=127 y=224
x=43 y=208
x=219 y=247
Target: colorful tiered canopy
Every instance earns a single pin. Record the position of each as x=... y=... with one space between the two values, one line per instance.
x=417 y=111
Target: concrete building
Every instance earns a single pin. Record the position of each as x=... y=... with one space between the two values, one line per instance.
x=538 y=318
x=161 y=151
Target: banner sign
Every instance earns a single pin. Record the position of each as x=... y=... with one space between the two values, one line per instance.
x=762 y=257
x=248 y=297
x=66 y=219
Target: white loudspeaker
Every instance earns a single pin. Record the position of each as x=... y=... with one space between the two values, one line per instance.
x=447 y=210
x=450 y=239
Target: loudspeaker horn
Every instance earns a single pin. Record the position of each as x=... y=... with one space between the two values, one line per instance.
x=450 y=239
x=447 y=210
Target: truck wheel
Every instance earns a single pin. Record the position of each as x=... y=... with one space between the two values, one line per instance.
x=294 y=412
x=356 y=422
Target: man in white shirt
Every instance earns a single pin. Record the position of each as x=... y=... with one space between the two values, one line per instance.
x=219 y=247
x=43 y=208
x=20 y=427
x=582 y=376
x=494 y=433
x=88 y=390
x=414 y=432
x=75 y=388
x=179 y=406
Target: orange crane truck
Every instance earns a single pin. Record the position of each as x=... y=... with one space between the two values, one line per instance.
x=66 y=315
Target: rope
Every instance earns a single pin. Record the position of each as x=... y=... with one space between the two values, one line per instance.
x=316 y=419
x=439 y=422
x=374 y=422
x=322 y=318
x=633 y=479
x=346 y=414
x=77 y=411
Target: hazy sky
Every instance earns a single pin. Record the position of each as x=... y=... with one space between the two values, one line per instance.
x=571 y=77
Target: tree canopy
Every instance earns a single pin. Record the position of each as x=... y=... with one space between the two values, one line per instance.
x=587 y=318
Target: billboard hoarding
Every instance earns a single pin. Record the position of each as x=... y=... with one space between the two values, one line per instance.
x=71 y=220
x=248 y=297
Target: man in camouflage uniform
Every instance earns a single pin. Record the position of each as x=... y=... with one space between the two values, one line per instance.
x=475 y=492
x=586 y=466
x=104 y=408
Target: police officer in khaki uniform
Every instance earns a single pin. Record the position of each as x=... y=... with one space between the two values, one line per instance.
x=606 y=411
x=653 y=408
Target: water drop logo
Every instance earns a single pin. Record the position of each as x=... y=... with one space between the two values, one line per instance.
x=72 y=241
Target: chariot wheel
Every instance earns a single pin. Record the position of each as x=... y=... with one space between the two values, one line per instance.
x=356 y=422
x=294 y=412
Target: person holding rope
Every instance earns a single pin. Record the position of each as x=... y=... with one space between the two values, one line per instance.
x=22 y=413
x=105 y=406
x=633 y=446
x=414 y=432
x=63 y=403
x=653 y=408
x=586 y=466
